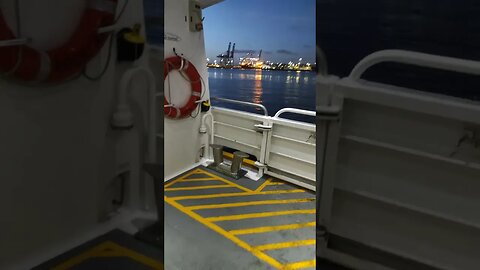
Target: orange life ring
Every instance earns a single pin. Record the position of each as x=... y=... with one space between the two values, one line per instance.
x=28 y=64
x=187 y=68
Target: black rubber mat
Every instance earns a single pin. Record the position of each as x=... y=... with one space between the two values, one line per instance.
x=115 y=250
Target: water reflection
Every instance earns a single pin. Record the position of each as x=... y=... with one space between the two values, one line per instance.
x=214 y=75
x=258 y=90
x=273 y=89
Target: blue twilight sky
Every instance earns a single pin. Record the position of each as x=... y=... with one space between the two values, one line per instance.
x=283 y=29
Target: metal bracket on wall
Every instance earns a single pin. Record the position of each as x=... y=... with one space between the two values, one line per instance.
x=329 y=113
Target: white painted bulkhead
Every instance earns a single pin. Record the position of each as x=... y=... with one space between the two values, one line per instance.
x=182 y=138
x=58 y=154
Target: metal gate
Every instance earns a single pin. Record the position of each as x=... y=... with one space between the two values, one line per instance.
x=398 y=171
x=284 y=148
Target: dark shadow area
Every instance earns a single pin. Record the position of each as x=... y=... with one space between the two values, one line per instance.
x=349 y=30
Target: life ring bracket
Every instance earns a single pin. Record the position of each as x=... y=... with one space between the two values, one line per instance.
x=25 y=63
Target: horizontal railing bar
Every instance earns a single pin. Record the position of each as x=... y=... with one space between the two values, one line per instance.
x=242 y=143
x=14 y=42
x=292 y=140
x=108 y=29
x=295 y=111
x=236 y=127
x=294 y=158
x=410 y=151
x=417 y=59
x=421 y=210
x=251 y=104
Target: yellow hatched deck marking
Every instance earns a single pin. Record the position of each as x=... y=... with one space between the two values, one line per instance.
x=291 y=244
x=198 y=179
x=235 y=194
x=209 y=222
x=197 y=187
x=235 y=185
x=261 y=255
x=300 y=265
x=272 y=228
x=171 y=183
x=262 y=186
x=240 y=204
x=261 y=214
x=183 y=177
x=109 y=249
x=215 y=177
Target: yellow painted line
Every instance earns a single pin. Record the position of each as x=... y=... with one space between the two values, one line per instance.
x=291 y=244
x=235 y=185
x=197 y=187
x=235 y=194
x=262 y=186
x=229 y=182
x=223 y=180
x=259 y=254
x=199 y=179
x=200 y=171
x=300 y=265
x=275 y=183
x=272 y=228
x=261 y=214
x=246 y=161
x=239 y=204
x=173 y=182
x=192 y=172
x=105 y=250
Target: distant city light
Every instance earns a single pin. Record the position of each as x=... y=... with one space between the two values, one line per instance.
x=253 y=61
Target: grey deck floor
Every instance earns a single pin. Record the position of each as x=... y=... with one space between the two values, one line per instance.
x=214 y=222
x=114 y=250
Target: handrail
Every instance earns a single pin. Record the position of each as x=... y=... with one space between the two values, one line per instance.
x=109 y=28
x=415 y=58
x=293 y=110
x=14 y=42
x=242 y=103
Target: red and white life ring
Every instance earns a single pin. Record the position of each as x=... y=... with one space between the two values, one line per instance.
x=187 y=68
x=61 y=63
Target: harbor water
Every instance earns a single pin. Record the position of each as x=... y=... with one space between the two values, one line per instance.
x=273 y=89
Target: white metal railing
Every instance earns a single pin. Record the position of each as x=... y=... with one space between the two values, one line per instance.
x=417 y=59
x=14 y=42
x=383 y=185
x=239 y=102
x=293 y=110
x=285 y=148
